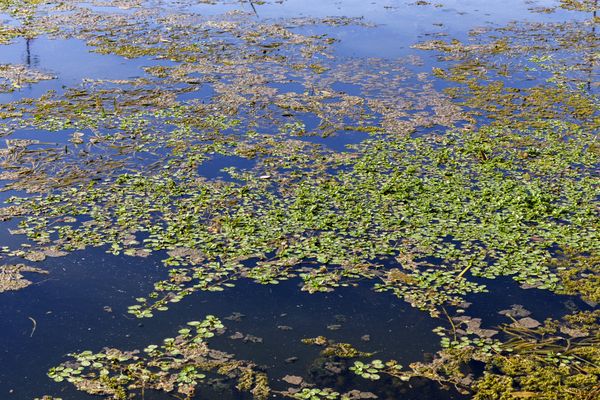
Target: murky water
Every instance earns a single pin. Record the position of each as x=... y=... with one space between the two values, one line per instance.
x=302 y=106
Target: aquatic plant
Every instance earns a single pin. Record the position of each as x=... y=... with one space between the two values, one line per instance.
x=440 y=189
x=11 y=276
x=556 y=359
x=179 y=365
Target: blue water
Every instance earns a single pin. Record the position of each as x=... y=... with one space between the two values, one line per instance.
x=82 y=303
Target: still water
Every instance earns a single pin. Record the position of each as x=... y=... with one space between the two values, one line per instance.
x=82 y=303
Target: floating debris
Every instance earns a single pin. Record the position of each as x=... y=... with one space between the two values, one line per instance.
x=11 y=276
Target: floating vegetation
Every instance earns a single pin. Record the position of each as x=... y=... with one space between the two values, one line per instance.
x=11 y=276
x=335 y=350
x=13 y=77
x=425 y=183
x=183 y=365
x=180 y=365
x=493 y=201
x=558 y=360
x=580 y=5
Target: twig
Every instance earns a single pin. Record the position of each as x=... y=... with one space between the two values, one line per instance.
x=34 y=326
x=253 y=8
x=451 y=323
x=464 y=270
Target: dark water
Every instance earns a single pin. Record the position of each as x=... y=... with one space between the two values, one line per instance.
x=82 y=303
x=71 y=317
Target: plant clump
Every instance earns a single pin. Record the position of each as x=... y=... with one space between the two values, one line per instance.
x=179 y=365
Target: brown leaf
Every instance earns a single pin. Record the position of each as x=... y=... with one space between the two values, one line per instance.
x=292 y=379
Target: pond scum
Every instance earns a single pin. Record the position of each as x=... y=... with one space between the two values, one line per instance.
x=494 y=176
